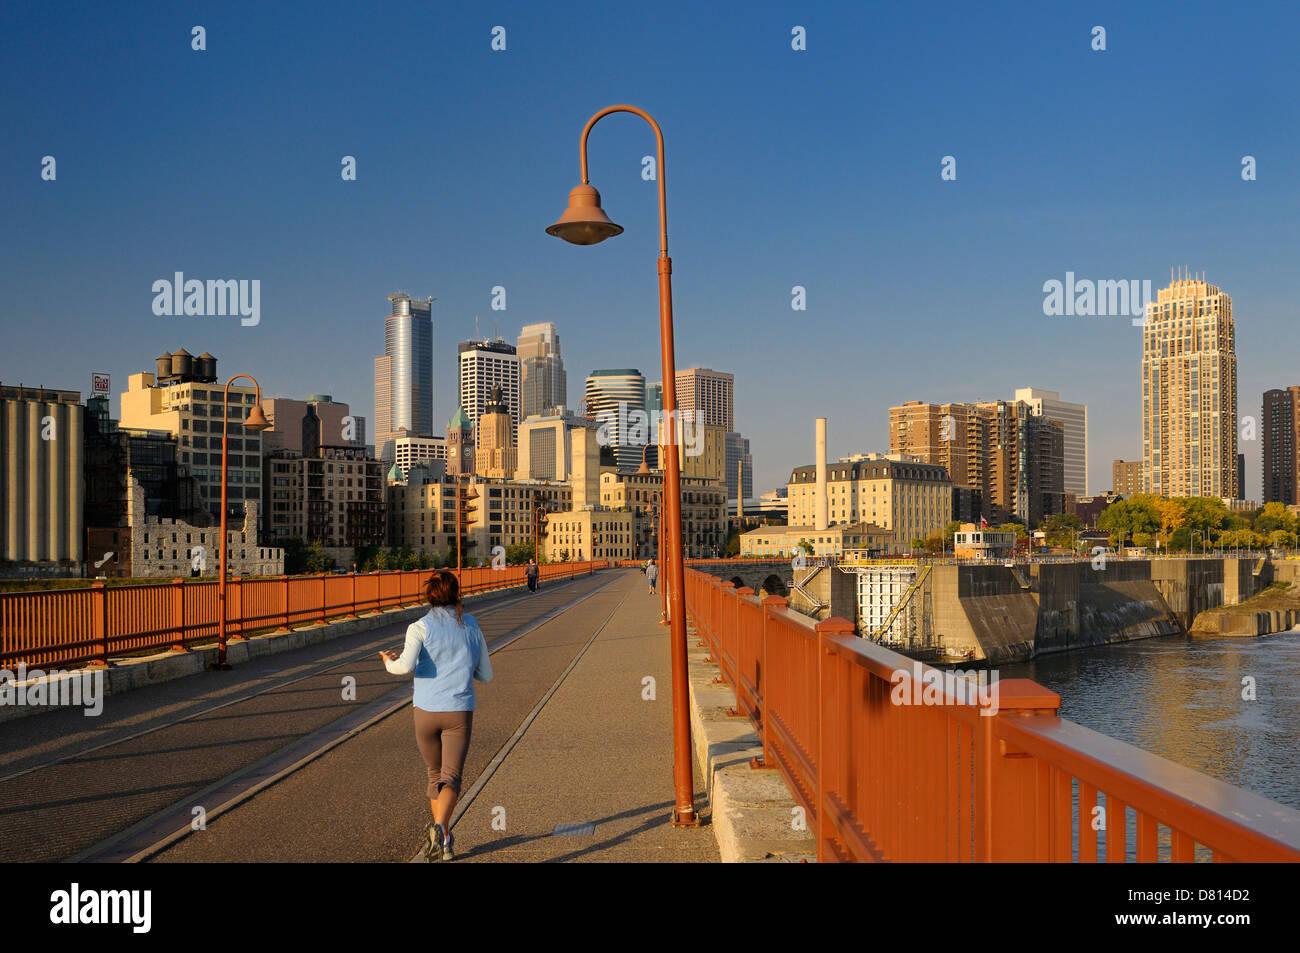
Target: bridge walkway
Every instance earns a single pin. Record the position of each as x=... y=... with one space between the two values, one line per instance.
x=285 y=769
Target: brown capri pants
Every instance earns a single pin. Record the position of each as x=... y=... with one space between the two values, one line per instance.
x=443 y=737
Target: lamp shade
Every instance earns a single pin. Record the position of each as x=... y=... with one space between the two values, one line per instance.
x=256 y=420
x=584 y=222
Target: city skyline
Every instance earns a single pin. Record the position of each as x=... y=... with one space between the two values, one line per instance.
x=961 y=262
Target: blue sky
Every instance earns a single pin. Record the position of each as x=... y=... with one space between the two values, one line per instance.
x=818 y=168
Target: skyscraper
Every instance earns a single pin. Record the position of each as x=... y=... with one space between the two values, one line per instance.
x=1189 y=392
x=483 y=365
x=710 y=394
x=1281 y=426
x=612 y=396
x=1074 y=418
x=543 y=383
x=404 y=374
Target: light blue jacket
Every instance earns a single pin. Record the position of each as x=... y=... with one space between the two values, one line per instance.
x=446 y=656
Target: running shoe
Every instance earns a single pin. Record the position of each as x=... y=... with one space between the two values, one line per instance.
x=447 y=853
x=433 y=849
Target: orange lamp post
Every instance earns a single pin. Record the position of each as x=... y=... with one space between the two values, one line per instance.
x=256 y=421
x=585 y=223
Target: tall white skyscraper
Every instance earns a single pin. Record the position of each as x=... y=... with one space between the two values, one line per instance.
x=710 y=394
x=483 y=365
x=1074 y=418
x=404 y=374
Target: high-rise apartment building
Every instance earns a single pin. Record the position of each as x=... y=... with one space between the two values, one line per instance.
x=482 y=366
x=1281 y=426
x=1002 y=456
x=1074 y=420
x=709 y=394
x=316 y=420
x=404 y=374
x=542 y=380
x=1126 y=477
x=612 y=397
x=1189 y=392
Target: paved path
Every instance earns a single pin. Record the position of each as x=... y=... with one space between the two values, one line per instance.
x=593 y=751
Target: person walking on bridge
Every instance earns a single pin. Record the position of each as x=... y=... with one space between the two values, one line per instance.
x=531 y=574
x=652 y=575
x=446 y=652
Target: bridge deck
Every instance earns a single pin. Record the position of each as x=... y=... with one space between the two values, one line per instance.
x=285 y=769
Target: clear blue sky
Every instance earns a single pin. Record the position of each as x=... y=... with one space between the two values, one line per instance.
x=818 y=168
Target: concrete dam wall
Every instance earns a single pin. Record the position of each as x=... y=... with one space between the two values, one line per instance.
x=1010 y=614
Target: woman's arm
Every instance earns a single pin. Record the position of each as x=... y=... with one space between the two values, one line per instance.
x=405 y=664
x=482 y=671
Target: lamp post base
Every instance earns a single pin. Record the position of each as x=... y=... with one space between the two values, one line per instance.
x=221 y=667
x=692 y=820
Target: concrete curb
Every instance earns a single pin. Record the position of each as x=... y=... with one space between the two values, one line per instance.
x=128 y=674
x=753 y=811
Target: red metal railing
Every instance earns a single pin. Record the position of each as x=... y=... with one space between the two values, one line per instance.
x=882 y=777
x=75 y=626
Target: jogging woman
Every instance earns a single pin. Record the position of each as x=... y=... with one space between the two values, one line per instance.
x=446 y=651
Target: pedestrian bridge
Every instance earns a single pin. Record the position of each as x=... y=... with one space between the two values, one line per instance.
x=217 y=766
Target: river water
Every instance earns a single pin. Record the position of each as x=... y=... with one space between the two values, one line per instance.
x=1181 y=699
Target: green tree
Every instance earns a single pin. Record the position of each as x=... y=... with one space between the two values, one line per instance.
x=317 y=559
x=1061 y=529
x=1274 y=517
x=1282 y=539
x=519 y=553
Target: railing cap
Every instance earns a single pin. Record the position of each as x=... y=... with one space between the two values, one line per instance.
x=1019 y=694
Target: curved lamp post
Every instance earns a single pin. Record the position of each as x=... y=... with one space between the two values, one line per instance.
x=255 y=421
x=584 y=222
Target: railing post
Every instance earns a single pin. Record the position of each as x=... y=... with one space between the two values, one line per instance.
x=178 y=615
x=770 y=605
x=353 y=614
x=1011 y=818
x=826 y=734
x=322 y=597
x=284 y=601
x=99 y=620
x=237 y=617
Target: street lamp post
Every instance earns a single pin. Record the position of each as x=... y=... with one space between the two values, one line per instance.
x=257 y=422
x=585 y=223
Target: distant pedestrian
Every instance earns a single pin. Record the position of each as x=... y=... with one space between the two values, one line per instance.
x=651 y=575
x=531 y=574
x=446 y=651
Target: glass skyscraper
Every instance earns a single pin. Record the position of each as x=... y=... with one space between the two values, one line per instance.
x=404 y=374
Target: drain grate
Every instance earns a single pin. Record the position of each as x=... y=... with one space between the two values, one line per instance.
x=571 y=830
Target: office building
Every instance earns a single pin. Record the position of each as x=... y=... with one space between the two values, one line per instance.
x=404 y=374
x=709 y=395
x=1074 y=422
x=1281 y=439
x=545 y=446
x=409 y=452
x=616 y=398
x=41 y=473
x=482 y=366
x=495 y=456
x=315 y=421
x=739 y=468
x=704 y=510
x=1189 y=392
x=181 y=398
x=543 y=382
